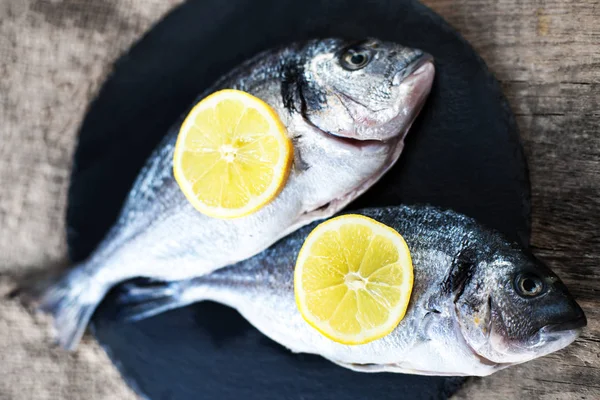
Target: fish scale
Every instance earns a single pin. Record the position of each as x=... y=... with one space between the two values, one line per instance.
x=462 y=270
x=343 y=148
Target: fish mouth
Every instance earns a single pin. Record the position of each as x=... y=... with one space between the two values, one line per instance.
x=421 y=65
x=574 y=324
x=359 y=143
x=546 y=340
x=352 y=142
x=419 y=77
x=556 y=336
x=416 y=67
x=394 y=145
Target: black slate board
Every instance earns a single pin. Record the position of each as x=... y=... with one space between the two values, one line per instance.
x=462 y=153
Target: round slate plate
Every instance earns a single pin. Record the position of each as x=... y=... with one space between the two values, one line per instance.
x=462 y=153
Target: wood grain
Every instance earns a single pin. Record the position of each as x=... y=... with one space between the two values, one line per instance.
x=546 y=54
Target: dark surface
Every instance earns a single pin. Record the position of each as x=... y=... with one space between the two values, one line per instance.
x=463 y=153
x=553 y=87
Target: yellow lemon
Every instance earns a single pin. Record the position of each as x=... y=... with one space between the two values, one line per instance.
x=353 y=279
x=232 y=155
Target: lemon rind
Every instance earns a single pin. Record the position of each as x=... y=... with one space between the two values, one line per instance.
x=406 y=287
x=281 y=169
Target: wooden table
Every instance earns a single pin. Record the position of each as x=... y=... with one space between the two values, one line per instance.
x=56 y=54
x=546 y=54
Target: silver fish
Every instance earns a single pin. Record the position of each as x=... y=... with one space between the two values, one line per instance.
x=346 y=106
x=479 y=303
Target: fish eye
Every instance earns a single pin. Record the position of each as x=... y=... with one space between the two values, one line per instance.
x=354 y=58
x=529 y=285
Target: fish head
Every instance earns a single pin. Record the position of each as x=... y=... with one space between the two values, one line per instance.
x=357 y=102
x=511 y=308
x=368 y=90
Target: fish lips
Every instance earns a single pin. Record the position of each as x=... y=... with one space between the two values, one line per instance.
x=548 y=339
x=416 y=80
x=420 y=65
x=501 y=351
x=575 y=324
x=418 y=85
x=422 y=73
x=413 y=85
x=562 y=331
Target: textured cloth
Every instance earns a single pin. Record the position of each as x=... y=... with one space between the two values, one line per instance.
x=54 y=55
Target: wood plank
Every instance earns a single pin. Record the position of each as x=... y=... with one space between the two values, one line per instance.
x=530 y=40
x=546 y=55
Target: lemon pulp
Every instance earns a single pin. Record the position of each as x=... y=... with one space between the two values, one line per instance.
x=353 y=279
x=232 y=155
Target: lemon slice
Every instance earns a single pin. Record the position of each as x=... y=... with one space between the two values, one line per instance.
x=353 y=279
x=232 y=155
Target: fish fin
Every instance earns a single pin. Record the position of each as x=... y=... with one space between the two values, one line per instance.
x=137 y=302
x=140 y=311
x=70 y=299
x=143 y=290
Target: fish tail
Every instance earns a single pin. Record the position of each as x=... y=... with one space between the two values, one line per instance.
x=137 y=302
x=71 y=300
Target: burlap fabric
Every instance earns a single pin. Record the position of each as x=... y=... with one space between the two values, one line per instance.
x=54 y=55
